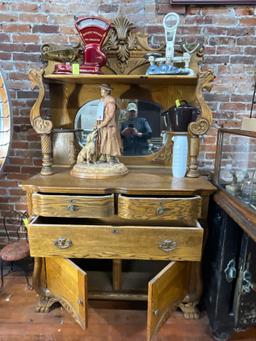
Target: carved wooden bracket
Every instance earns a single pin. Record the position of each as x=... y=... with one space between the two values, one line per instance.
x=203 y=123
x=205 y=82
x=41 y=126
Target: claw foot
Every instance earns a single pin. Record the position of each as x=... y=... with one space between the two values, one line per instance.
x=190 y=310
x=45 y=304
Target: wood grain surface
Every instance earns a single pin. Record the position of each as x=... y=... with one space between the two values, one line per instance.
x=164 y=292
x=117 y=242
x=183 y=210
x=72 y=206
x=68 y=283
x=139 y=180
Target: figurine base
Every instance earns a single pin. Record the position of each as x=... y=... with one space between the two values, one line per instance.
x=66 y=69
x=98 y=170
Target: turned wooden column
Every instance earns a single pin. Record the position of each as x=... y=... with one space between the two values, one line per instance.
x=40 y=125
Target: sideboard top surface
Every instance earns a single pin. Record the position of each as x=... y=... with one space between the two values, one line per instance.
x=138 y=181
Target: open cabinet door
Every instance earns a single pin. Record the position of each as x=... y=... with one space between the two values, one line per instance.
x=165 y=291
x=68 y=283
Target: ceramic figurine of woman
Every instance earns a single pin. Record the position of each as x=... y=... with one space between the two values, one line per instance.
x=100 y=160
x=109 y=140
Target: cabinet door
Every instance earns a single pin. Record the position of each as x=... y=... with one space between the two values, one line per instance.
x=68 y=283
x=165 y=291
x=245 y=293
x=220 y=261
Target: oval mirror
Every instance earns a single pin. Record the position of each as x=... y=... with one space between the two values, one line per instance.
x=140 y=124
x=5 y=121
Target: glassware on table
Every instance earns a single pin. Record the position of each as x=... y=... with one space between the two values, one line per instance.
x=253 y=191
x=246 y=188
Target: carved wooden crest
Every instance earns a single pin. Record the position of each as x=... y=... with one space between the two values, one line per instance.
x=125 y=49
x=121 y=39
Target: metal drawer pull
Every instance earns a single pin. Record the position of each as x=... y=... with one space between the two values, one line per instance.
x=73 y=208
x=115 y=231
x=167 y=245
x=160 y=210
x=63 y=243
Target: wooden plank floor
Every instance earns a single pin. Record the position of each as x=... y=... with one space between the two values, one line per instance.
x=20 y=322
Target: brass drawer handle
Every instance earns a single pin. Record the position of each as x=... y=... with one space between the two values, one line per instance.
x=73 y=208
x=160 y=210
x=167 y=245
x=116 y=231
x=63 y=243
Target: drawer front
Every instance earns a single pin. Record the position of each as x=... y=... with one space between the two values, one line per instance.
x=73 y=206
x=183 y=210
x=125 y=242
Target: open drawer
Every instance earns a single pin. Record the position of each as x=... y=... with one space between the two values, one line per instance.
x=80 y=239
x=166 y=290
x=73 y=206
x=184 y=210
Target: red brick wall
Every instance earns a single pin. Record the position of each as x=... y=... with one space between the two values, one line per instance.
x=228 y=33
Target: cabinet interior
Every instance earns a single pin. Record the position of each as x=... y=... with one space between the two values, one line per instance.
x=135 y=276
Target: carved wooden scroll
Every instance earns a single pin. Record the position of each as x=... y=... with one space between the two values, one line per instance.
x=41 y=126
x=203 y=123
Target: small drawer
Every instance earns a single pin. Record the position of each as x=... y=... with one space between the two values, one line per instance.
x=51 y=205
x=184 y=210
x=53 y=237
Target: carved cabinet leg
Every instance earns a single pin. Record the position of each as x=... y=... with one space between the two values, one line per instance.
x=46 y=300
x=190 y=302
x=190 y=310
x=37 y=274
x=45 y=303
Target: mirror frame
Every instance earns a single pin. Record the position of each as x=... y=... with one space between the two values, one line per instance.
x=6 y=121
x=120 y=107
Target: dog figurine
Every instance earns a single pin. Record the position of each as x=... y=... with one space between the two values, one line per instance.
x=88 y=152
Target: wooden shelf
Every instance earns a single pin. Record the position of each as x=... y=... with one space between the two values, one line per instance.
x=123 y=79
